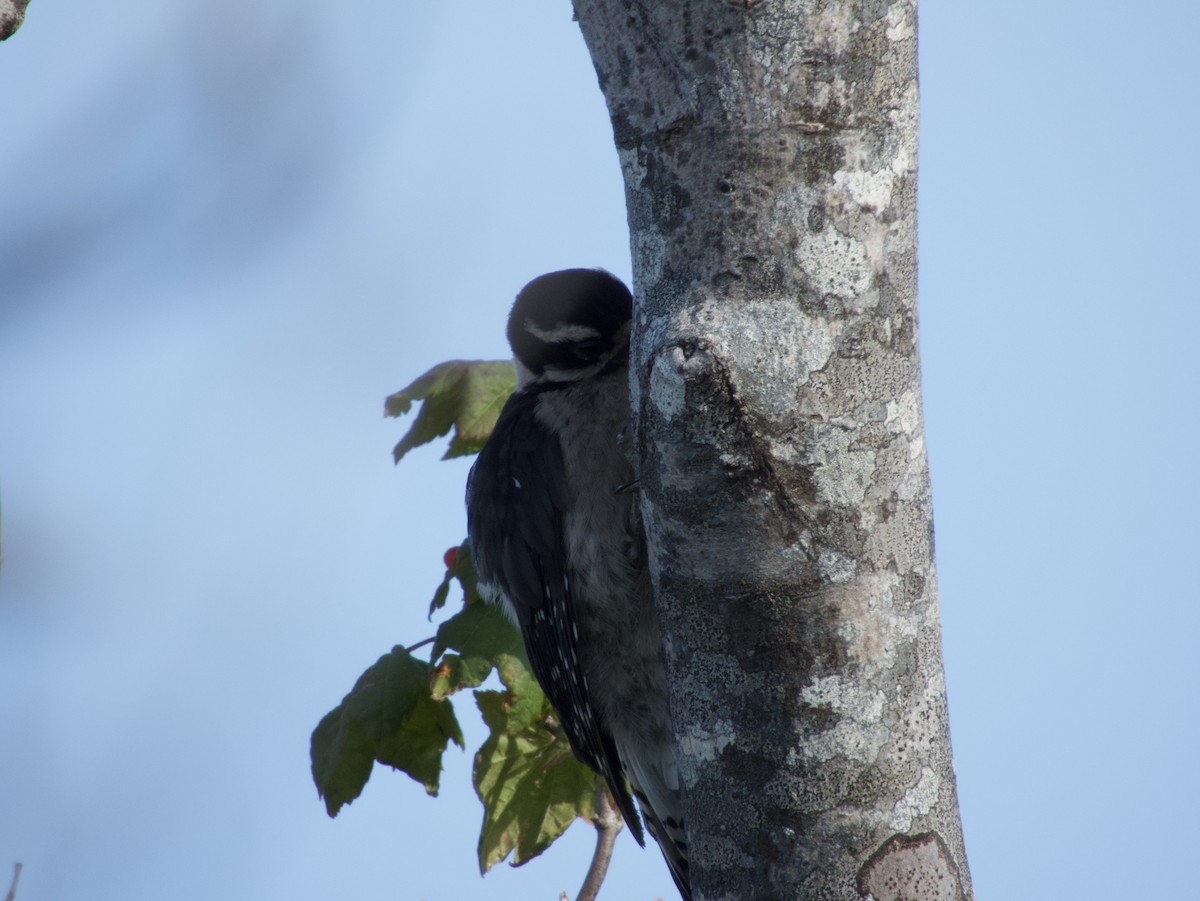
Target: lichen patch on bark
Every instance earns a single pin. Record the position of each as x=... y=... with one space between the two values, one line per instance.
x=917 y=801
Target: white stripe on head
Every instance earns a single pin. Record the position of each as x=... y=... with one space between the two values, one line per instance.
x=562 y=333
x=524 y=375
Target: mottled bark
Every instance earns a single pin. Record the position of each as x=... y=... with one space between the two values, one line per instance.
x=769 y=151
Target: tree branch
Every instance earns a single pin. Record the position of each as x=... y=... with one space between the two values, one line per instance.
x=12 y=888
x=420 y=644
x=608 y=825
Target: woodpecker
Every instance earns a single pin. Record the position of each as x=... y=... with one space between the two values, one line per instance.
x=557 y=538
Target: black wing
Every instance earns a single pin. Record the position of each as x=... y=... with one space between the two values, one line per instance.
x=516 y=500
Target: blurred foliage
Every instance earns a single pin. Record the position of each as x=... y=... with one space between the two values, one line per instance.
x=399 y=713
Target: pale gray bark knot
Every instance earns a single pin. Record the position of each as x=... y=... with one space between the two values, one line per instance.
x=911 y=868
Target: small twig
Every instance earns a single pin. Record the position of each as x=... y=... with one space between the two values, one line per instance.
x=608 y=825
x=421 y=644
x=12 y=889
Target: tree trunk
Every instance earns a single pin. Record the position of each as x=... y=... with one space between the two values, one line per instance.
x=769 y=151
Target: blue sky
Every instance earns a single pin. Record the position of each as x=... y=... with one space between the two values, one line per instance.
x=228 y=231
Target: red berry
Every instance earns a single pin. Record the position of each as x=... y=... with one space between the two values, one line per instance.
x=449 y=557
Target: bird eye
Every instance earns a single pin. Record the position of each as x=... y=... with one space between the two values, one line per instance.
x=588 y=350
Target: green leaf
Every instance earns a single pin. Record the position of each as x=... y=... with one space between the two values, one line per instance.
x=459 y=566
x=466 y=395
x=485 y=639
x=531 y=785
x=389 y=716
x=440 y=594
